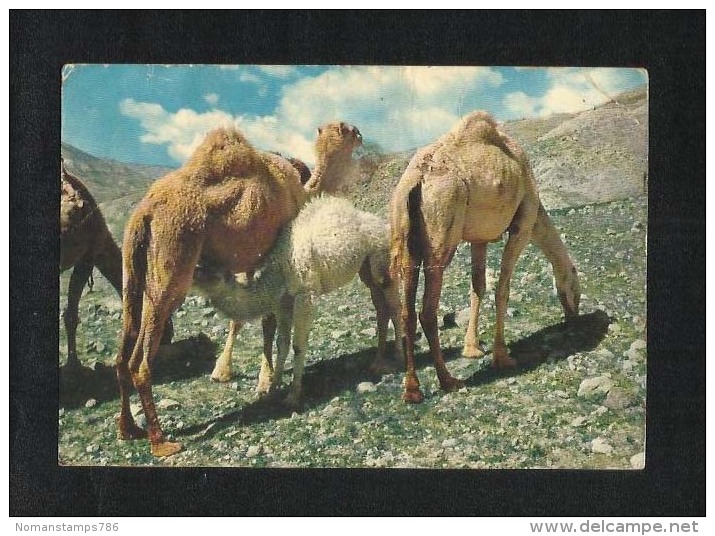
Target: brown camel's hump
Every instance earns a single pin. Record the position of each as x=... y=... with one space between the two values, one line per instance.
x=225 y=152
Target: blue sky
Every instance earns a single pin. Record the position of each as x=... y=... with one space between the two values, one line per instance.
x=157 y=114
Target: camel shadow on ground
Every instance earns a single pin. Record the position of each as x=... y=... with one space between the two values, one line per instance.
x=326 y=379
x=188 y=358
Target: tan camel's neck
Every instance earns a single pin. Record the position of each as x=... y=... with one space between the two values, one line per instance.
x=328 y=173
x=548 y=239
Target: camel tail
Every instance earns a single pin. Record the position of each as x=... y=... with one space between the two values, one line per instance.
x=406 y=229
x=136 y=246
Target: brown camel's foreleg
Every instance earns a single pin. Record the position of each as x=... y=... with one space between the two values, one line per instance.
x=478 y=288
x=78 y=279
x=265 y=377
x=434 y=272
x=410 y=279
x=516 y=243
x=222 y=368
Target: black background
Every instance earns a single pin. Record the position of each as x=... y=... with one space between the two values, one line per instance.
x=670 y=45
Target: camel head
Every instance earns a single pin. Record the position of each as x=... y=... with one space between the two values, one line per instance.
x=224 y=152
x=334 y=166
x=568 y=289
x=337 y=137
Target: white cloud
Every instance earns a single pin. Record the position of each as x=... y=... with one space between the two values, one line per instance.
x=211 y=98
x=571 y=90
x=398 y=107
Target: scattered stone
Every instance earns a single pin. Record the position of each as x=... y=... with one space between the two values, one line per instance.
x=366 y=387
x=593 y=386
x=136 y=409
x=461 y=318
x=167 y=403
x=100 y=347
x=90 y=403
x=369 y=332
x=253 y=451
x=342 y=308
x=511 y=381
x=601 y=446
x=604 y=353
x=638 y=344
x=339 y=334
x=637 y=226
x=628 y=365
x=208 y=311
x=578 y=421
x=600 y=410
x=638 y=460
x=449 y=443
x=561 y=394
x=618 y=398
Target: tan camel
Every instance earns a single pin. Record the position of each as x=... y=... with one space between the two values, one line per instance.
x=85 y=242
x=473 y=184
x=224 y=208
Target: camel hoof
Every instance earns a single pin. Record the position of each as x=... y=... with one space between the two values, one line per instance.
x=450 y=384
x=165 y=448
x=220 y=376
x=413 y=396
x=472 y=352
x=129 y=431
x=502 y=360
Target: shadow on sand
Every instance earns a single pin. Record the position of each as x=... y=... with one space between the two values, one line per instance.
x=326 y=379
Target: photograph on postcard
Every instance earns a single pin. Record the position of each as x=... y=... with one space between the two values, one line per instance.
x=304 y=266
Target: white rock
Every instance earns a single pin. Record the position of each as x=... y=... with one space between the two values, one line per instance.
x=370 y=332
x=593 y=386
x=618 y=398
x=136 y=409
x=578 y=421
x=90 y=403
x=253 y=451
x=601 y=446
x=638 y=460
x=448 y=443
x=462 y=318
x=167 y=403
x=366 y=387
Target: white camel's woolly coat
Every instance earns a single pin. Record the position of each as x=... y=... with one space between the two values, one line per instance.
x=327 y=244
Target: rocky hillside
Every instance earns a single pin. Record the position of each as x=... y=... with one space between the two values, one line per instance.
x=587 y=157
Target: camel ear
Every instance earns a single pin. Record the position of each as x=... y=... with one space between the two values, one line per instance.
x=320 y=130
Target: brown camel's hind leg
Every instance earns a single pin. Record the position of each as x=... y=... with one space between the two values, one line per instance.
x=479 y=285
x=410 y=279
x=78 y=279
x=154 y=316
x=434 y=272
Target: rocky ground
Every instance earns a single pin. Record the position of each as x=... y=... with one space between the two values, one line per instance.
x=577 y=399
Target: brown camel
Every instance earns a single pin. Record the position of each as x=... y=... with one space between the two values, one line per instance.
x=85 y=242
x=473 y=184
x=224 y=208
